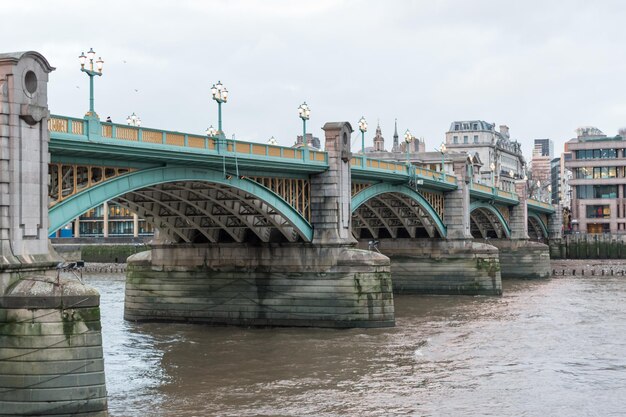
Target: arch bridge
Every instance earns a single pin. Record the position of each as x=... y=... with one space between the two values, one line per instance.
x=197 y=189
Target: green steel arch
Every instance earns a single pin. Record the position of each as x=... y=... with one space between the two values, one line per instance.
x=69 y=209
x=482 y=205
x=542 y=225
x=383 y=188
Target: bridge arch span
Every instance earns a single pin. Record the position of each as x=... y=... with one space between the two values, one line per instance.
x=537 y=229
x=487 y=221
x=193 y=205
x=394 y=210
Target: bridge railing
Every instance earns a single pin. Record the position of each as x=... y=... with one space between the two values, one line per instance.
x=71 y=125
x=434 y=175
x=75 y=126
x=542 y=204
x=496 y=192
x=400 y=168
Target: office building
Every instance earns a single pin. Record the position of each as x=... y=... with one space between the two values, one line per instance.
x=599 y=178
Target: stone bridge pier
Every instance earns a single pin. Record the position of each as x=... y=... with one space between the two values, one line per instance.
x=51 y=359
x=455 y=264
x=519 y=256
x=326 y=282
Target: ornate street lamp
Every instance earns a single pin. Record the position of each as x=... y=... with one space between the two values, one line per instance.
x=408 y=138
x=89 y=59
x=304 y=112
x=549 y=196
x=493 y=169
x=442 y=149
x=538 y=184
x=363 y=129
x=133 y=120
x=211 y=132
x=220 y=94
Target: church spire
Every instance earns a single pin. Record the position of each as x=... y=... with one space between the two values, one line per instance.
x=396 y=145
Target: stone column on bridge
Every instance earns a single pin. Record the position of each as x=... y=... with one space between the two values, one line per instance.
x=51 y=359
x=518 y=218
x=555 y=233
x=331 y=191
x=456 y=205
x=24 y=162
x=555 y=224
x=519 y=256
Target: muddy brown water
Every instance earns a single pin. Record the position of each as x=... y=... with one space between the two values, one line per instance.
x=553 y=347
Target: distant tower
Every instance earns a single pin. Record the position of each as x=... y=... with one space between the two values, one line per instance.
x=379 y=141
x=396 y=145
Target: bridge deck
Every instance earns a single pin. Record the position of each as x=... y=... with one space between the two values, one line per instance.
x=90 y=142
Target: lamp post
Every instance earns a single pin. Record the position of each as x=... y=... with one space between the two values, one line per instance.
x=538 y=190
x=363 y=129
x=220 y=94
x=304 y=112
x=408 y=138
x=493 y=168
x=133 y=120
x=549 y=196
x=91 y=73
x=442 y=149
x=211 y=132
x=512 y=175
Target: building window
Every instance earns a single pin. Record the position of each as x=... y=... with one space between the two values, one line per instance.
x=455 y=139
x=475 y=138
x=596 y=154
x=466 y=126
x=475 y=126
x=598 y=212
x=598 y=228
x=596 y=191
x=465 y=139
x=457 y=127
x=584 y=173
x=604 y=172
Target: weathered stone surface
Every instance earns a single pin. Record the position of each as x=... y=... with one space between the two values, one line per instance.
x=436 y=266
x=523 y=258
x=292 y=285
x=51 y=360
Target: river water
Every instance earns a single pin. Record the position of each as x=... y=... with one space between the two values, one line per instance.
x=545 y=348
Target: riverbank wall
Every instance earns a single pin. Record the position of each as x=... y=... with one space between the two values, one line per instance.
x=589 y=246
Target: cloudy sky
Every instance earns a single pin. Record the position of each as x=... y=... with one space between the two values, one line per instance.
x=543 y=68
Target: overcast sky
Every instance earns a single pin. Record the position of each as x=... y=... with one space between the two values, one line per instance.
x=543 y=68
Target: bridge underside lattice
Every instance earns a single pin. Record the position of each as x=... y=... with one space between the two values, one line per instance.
x=535 y=231
x=198 y=212
x=66 y=180
x=392 y=215
x=485 y=224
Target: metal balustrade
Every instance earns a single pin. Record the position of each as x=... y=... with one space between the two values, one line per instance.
x=75 y=126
